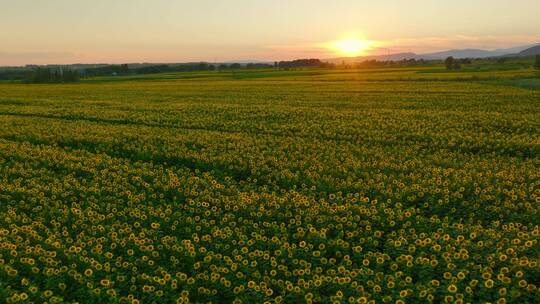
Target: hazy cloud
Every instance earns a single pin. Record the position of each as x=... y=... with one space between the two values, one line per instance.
x=22 y=58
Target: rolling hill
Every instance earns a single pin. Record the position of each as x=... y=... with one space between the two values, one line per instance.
x=524 y=50
x=535 y=50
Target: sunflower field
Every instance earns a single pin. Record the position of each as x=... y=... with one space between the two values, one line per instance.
x=376 y=186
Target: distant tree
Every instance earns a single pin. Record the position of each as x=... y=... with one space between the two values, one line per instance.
x=276 y=64
x=252 y=65
x=124 y=69
x=41 y=75
x=70 y=76
x=449 y=63
x=457 y=65
x=56 y=76
x=235 y=66
x=203 y=66
x=537 y=62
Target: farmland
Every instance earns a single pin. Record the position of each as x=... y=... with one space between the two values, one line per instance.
x=404 y=185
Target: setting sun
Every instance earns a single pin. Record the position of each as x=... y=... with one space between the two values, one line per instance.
x=351 y=47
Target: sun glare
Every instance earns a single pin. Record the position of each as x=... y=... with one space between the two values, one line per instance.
x=351 y=47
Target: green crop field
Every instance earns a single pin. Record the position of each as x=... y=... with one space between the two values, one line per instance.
x=396 y=185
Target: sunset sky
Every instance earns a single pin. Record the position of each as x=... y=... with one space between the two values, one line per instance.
x=89 y=31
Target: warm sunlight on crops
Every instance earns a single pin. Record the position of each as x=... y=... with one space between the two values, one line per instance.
x=271 y=186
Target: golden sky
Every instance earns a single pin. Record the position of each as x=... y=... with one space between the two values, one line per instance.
x=70 y=31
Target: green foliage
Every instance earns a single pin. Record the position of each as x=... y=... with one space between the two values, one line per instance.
x=302 y=63
x=309 y=186
x=452 y=64
x=537 y=62
x=449 y=63
x=124 y=69
x=46 y=75
x=108 y=70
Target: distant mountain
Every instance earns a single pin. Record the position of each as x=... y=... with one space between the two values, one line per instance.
x=465 y=53
x=475 y=53
x=520 y=48
x=535 y=50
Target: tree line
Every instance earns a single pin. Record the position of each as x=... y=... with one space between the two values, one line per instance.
x=47 y=75
x=66 y=74
x=55 y=74
x=453 y=64
x=108 y=70
x=304 y=63
x=40 y=75
x=124 y=69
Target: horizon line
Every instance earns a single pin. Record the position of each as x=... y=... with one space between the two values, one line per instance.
x=246 y=61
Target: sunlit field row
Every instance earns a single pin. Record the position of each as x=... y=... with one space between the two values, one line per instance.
x=306 y=186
